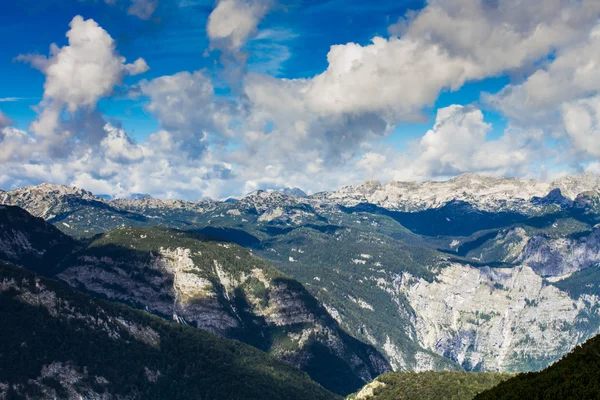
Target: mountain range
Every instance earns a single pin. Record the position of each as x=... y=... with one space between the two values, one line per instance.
x=473 y=274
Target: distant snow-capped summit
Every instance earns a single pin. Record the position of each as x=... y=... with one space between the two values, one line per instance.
x=46 y=200
x=485 y=192
x=482 y=192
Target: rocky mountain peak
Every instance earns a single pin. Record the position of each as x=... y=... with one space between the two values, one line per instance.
x=294 y=192
x=555 y=197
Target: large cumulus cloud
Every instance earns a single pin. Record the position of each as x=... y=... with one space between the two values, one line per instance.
x=77 y=77
x=327 y=130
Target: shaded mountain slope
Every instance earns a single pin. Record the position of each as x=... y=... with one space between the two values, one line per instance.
x=58 y=343
x=31 y=242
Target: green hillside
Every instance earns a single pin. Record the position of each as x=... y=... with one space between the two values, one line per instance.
x=576 y=376
x=57 y=343
x=447 y=385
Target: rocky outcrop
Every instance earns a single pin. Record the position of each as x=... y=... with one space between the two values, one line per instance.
x=63 y=380
x=555 y=197
x=496 y=319
x=560 y=256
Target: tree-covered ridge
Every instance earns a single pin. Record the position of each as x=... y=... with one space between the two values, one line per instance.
x=576 y=376
x=431 y=385
x=58 y=343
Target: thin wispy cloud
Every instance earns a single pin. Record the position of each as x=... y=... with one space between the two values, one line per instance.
x=13 y=99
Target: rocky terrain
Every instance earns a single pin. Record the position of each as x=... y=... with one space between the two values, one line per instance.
x=474 y=273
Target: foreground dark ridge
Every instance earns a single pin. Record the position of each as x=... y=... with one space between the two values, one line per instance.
x=576 y=376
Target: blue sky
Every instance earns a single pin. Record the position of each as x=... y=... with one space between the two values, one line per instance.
x=175 y=40
x=235 y=95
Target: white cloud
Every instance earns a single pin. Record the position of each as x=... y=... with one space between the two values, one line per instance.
x=366 y=90
x=233 y=22
x=119 y=147
x=79 y=74
x=10 y=99
x=143 y=9
x=372 y=162
x=77 y=77
x=573 y=74
x=582 y=123
x=138 y=67
x=186 y=106
x=445 y=45
x=15 y=144
x=457 y=135
x=501 y=34
x=458 y=144
x=561 y=97
x=395 y=78
x=323 y=131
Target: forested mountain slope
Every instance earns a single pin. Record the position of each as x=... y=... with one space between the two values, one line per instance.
x=210 y=285
x=58 y=343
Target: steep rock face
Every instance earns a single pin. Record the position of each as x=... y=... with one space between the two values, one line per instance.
x=560 y=256
x=167 y=283
x=571 y=186
x=588 y=201
x=497 y=319
x=507 y=246
x=548 y=256
x=222 y=288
